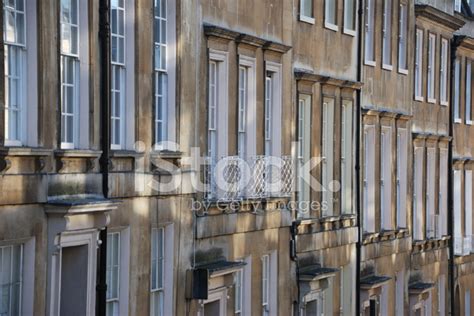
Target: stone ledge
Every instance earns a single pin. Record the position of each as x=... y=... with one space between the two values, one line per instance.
x=317 y=225
x=386 y=235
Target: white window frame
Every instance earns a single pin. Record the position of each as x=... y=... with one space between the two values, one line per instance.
x=386 y=178
x=443 y=193
x=418 y=164
x=270 y=283
x=369 y=50
x=400 y=293
x=28 y=81
x=304 y=152
x=126 y=90
x=402 y=177
x=468 y=101
x=431 y=193
x=27 y=286
x=327 y=155
x=122 y=300
x=245 y=277
x=457 y=93
x=329 y=24
x=468 y=206
x=457 y=182
x=443 y=73
x=387 y=35
x=431 y=78
x=305 y=17
x=403 y=38
x=166 y=70
x=273 y=107
x=80 y=86
x=442 y=295
x=266 y=285
x=217 y=113
x=167 y=268
x=220 y=295
x=250 y=111
x=457 y=5
x=419 y=65
x=347 y=156
x=467 y=302
x=348 y=29
x=113 y=300
x=369 y=179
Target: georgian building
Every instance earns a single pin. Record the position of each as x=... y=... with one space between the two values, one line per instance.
x=204 y=157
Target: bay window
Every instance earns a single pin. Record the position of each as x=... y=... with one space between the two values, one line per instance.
x=327 y=156
x=402 y=38
x=387 y=35
x=431 y=67
x=419 y=65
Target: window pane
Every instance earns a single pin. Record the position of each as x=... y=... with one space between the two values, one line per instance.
x=330 y=11
x=349 y=14
x=307 y=8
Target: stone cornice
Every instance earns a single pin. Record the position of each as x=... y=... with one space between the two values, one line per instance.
x=226 y=34
x=301 y=74
x=438 y=16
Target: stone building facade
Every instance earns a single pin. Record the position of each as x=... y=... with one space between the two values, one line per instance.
x=218 y=157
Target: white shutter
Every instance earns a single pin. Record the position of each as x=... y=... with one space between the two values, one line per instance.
x=402 y=157
x=468 y=207
x=369 y=179
x=418 y=194
x=443 y=195
x=386 y=178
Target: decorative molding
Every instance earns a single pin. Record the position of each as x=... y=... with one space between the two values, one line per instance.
x=211 y=30
x=302 y=74
x=438 y=16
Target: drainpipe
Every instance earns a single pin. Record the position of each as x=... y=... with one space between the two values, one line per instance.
x=294 y=257
x=455 y=42
x=104 y=37
x=360 y=14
